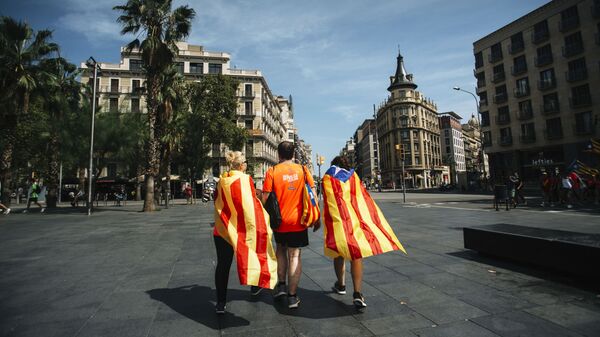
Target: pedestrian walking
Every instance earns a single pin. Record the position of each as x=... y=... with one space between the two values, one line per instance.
x=354 y=228
x=187 y=190
x=546 y=187
x=34 y=193
x=287 y=180
x=566 y=190
x=241 y=228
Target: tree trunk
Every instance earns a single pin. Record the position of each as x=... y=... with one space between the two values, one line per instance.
x=149 y=199
x=6 y=174
x=53 y=172
x=153 y=150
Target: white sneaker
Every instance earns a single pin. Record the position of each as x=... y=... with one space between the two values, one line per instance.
x=7 y=211
x=43 y=209
x=25 y=211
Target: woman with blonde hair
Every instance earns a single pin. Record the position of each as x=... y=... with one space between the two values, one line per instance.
x=241 y=228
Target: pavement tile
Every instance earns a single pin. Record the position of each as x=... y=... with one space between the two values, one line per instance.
x=333 y=326
x=455 y=329
x=116 y=328
x=392 y=323
x=577 y=318
x=519 y=323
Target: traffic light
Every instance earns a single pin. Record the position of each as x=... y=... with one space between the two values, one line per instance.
x=321 y=160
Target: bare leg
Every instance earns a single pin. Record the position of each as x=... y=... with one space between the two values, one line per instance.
x=356 y=267
x=282 y=259
x=295 y=269
x=339 y=265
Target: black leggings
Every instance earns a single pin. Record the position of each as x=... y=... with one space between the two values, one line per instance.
x=224 y=259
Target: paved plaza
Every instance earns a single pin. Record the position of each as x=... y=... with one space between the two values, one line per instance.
x=121 y=272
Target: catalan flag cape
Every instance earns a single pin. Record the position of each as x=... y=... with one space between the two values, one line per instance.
x=241 y=220
x=354 y=226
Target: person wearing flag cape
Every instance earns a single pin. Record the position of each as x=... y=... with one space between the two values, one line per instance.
x=241 y=229
x=355 y=227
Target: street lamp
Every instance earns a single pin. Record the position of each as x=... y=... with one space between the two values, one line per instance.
x=482 y=155
x=91 y=62
x=400 y=151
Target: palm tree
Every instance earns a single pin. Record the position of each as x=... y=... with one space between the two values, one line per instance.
x=21 y=49
x=162 y=28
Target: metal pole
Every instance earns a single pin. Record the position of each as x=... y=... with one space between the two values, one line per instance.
x=60 y=183
x=482 y=155
x=378 y=170
x=403 y=180
x=90 y=174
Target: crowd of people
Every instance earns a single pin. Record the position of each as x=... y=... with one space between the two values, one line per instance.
x=569 y=188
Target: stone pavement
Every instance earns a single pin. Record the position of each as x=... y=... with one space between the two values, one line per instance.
x=125 y=273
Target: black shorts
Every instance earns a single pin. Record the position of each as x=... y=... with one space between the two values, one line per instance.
x=292 y=239
x=33 y=199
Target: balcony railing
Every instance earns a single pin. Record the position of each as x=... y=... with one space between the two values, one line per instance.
x=568 y=24
x=585 y=129
x=498 y=77
x=576 y=75
x=540 y=36
x=503 y=119
x=525 y=114
x=521 y=92
x=527 y=138
x=580 y=101
x=519 y=69
x=247 y=94
x=505 y=140
x=553 y=134
x=495 y=57
x=514 y=48
x=546 y=84
x=543 y=60
x=550 y=108
x=500 y=98
x=572 y=49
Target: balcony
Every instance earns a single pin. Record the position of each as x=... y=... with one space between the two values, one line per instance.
x=553 y=134
x=521 y=92
x=580 y=101
x=568 y=24
x=585 y=129
x=505 y=140
x=543 y=60
x=540 y=36
x=547 y=84
x=503 y=119
x=498 y=77
x=525 y=114
x=572 y=49
x=480 y=84
x=500 y=98
x=514 y=48
x=576 y=75
x=527 y=138
x=519 y=69
x=494 y=57
x=550 y=108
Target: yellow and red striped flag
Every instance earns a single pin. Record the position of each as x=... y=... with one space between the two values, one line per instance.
x=241 y=220
x=354 y=225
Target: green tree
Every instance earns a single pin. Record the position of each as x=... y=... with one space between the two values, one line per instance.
x=162 y=28
x=21 y=49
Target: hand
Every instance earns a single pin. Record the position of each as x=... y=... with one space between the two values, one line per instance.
x=316 y=225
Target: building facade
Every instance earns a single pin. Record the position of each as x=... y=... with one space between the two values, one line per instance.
x=453 y=148
x=366 y=156
x=267 y=117
x=408 y=130
x=536 y=79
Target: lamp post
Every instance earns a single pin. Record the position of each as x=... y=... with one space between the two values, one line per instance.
x=481 y=153
x=91 y=62
x=402 y=182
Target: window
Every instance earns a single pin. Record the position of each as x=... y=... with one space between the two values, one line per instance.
x=503 y=115
x=522 y=87
x=544 y=56
x=547 y=79
x=487 y=138
x=114 y=104
x=248 y=90
x=135 y=105
x=580 y=96
x=135 y=87
x=135 y=65
x=179 y=66
x=485 y=118
x=553 y=128
x=480 y=79
x=525 y=111
x=519 y=65
x=478 y=60
x=196 y=68
x=114 y=85
x=550 y=104
x=540 y=32
x=248 y=108
x=483 y=101
x=501 y=94
x=569 y=19
x=446 y=133
x=573 y=44
x=583 y=123
x=215 y=68
x=498 y=73
x=516 y=43
x=248 y=124
x=577 y=70
x=505 y=136
x=496 y=54
x=527 y=133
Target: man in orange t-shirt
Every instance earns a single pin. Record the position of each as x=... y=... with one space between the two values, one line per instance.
x=287 y=180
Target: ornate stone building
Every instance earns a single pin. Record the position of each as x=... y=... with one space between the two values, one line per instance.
x=410 y=120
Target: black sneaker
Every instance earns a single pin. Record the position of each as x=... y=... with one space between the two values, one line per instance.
x=254 y=290
x=339 y=289
x=220 y=308
x=293 y=301
x=280 y=290
x=359 y=300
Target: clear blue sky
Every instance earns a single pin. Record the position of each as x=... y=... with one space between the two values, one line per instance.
x=333 y=57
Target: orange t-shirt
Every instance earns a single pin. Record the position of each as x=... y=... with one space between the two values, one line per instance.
x=288 y=183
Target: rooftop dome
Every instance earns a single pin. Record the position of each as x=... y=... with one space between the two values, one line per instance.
x=473 y=121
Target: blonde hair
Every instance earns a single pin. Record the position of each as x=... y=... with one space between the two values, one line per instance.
x=235 y=159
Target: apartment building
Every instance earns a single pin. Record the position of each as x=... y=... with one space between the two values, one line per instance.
x=453 y=148
x=366 y=156
x=536 y=79
x=408 y=129
x=267 y=117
